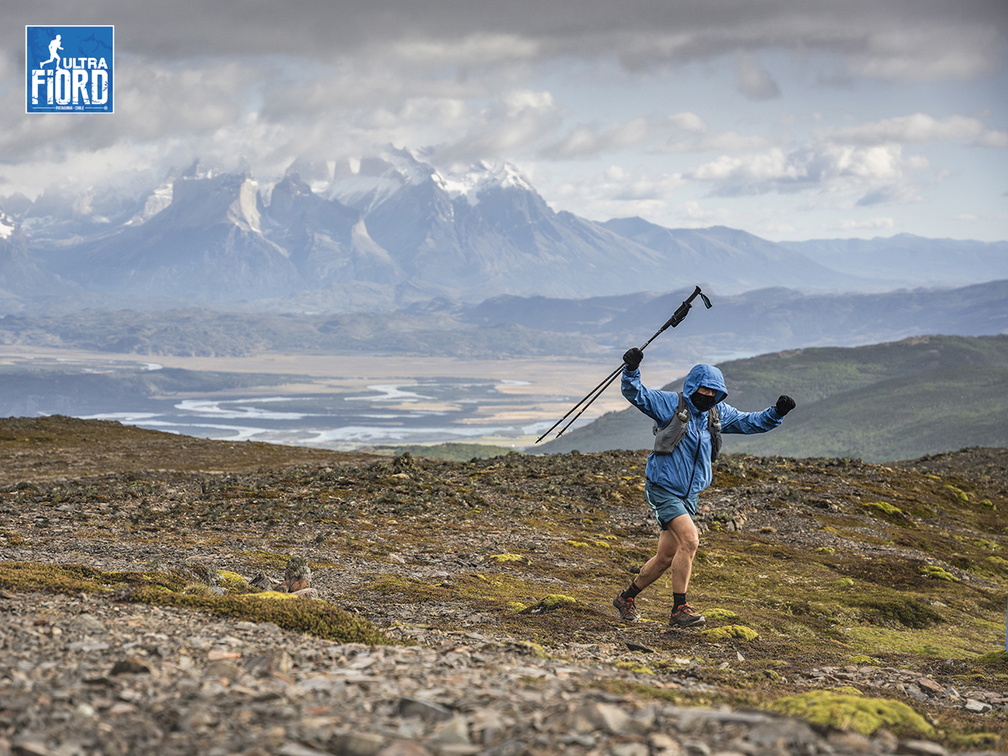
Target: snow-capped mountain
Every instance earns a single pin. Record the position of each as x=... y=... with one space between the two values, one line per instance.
x=206 y=245
x=327 y=241
x=379 y=231
x=484 y=229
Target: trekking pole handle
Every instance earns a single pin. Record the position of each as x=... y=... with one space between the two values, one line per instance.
x=680 y=314
x=683 y=310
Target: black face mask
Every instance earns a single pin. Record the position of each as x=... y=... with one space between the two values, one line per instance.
x=703 y=402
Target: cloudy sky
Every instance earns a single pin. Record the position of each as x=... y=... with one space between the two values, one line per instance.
x=789 y=119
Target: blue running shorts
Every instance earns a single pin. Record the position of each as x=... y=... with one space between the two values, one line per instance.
x=666 y=506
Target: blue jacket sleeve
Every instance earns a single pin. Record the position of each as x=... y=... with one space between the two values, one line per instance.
x=658 y=405
x=733 y=421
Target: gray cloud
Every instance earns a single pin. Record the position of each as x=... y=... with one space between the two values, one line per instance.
x=754 y=81
x=887 y=38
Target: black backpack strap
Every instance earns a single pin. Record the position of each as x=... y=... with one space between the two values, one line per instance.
x=714 y=427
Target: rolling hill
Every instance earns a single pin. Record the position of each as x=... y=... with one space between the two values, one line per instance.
x=883 y=402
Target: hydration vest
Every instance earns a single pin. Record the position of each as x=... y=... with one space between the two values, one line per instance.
x=668 y=437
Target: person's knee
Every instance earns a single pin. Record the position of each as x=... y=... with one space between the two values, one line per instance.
x=663 y=559
x=688 y=540
x=692 y=543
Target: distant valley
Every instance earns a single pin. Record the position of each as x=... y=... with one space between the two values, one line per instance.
x=744 y=325
x=880 y=402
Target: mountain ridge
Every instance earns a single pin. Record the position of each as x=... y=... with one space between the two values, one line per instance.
x=390 y=230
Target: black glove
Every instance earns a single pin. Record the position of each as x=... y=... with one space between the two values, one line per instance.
x=632 y=358
x=784 y=405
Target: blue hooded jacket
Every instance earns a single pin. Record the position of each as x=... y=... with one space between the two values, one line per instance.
x=687 y=470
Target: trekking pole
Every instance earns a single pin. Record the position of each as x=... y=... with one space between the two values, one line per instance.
x=677 y=317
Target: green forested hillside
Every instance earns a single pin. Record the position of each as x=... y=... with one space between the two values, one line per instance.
x=879 y=403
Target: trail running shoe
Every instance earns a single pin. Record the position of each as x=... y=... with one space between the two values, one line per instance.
x=684 y=616
x=627 y=608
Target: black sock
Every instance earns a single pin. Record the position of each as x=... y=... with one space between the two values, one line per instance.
x=678 y=599
x=632 y=591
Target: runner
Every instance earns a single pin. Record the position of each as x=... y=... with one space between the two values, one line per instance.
x=688 y=429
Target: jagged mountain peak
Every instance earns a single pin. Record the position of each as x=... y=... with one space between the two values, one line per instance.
x=366 y=182
x=292 y=183
x=473 y=180
x=229 y=197
x=195 y=170
x=313 y=173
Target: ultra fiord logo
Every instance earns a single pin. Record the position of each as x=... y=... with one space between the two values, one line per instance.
x=69 y=69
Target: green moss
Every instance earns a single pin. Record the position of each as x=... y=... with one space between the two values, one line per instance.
x=847 y=690
x=276 y=596
x=311 y=616
x=864 y=659
x=507 y=558
x=994 y=659
x=638 y=669
x=169 y=589
x=232 y=582
x=740 y=632
x=986 y=545
x=885 y=508
x=553 y=601
x=857 y=713
x=720 y=615
x=53 y=577
x=534 y=649
x=957 y=493
x=941 y=642
x=408 y=587
x=994 y=565
x=938 y=573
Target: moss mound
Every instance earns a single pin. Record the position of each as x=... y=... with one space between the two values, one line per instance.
x=851 y=712
x=997 y=659
x=551 y=603
x=159 y=588
x=311 y=616
x=728 y=632
x=720 y=615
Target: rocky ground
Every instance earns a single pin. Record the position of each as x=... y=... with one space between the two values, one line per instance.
x=489 y=582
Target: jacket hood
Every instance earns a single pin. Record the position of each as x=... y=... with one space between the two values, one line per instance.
x=705 y=375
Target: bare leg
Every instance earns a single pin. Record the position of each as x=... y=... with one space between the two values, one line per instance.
x=677 y=545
